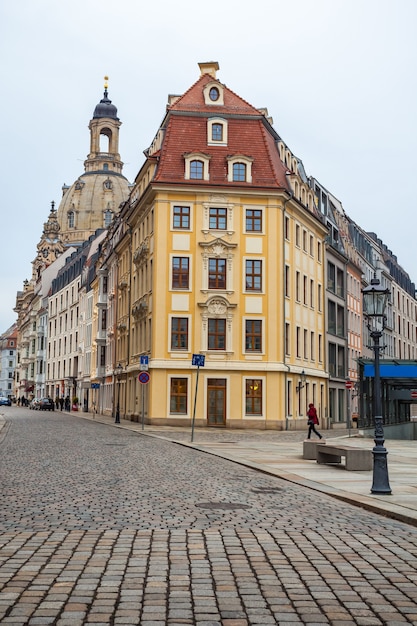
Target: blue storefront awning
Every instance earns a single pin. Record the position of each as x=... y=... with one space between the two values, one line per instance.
x=392 y=371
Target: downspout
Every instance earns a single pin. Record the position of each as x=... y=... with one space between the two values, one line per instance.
x=129 y=230
x=291 y=195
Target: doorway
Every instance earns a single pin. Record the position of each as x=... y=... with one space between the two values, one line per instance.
x=216 y=402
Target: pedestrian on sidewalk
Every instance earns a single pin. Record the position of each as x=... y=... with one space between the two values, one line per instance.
x=312 y=421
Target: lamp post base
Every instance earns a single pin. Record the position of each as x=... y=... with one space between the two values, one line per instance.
x=380 y=484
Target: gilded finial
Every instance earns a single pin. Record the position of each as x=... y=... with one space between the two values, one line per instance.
x=106 y=84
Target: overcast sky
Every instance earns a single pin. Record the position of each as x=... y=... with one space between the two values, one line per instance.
x=338 y=78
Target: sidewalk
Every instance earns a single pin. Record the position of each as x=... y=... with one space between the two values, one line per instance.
x=280 y=453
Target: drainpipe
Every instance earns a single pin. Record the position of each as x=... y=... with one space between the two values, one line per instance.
x=291 y=195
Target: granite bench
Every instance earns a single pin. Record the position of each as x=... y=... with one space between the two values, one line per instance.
x=356 y=459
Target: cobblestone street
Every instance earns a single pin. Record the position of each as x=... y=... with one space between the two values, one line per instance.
x=104 y=526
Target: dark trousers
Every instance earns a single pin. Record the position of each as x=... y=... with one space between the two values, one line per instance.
x=312 y=429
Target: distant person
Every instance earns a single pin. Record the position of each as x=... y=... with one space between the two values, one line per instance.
x=61 y=402
x=313 y=420
x=67 y=404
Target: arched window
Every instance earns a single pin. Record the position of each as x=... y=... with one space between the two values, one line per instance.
x=239 y=172
x=196 y=170
x=71 y=219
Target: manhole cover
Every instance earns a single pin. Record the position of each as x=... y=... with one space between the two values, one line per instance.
x=227 y=506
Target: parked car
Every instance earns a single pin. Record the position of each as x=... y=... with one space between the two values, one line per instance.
x=46 y=404
x=34 y=404
x=5 y=401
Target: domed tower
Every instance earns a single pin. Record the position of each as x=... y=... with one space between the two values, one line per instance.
x=96 y=195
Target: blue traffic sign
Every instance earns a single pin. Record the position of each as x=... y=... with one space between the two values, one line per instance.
x=199 y=360
x=144 y=363
x=95 y=385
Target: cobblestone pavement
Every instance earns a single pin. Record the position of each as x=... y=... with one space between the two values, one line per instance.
x=103 y=526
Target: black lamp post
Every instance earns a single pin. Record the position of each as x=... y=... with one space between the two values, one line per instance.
x=118 y=371
x=375 y=299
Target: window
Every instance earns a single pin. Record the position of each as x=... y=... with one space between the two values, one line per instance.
x=253 y=275
x=340 y=283
x=331 y=277
x=217 y=274
x=196 y=170
x=239 y=172
x=71 y=219
x=181 y=217
x=297 y=235
x=253 y=221
x=217 y=132
x=287 y=228
x=102 y=356
x=287 y=339
x=297 y=286
x=179 y=333
x=287 y=281
x=298 y=349
x=253 y=336
x=217 y=218
x=178 y=395
x=214 y=94
x=180 y=272
x=108 y=216
x=217 y=334
x=253 y=396
x=239 y=168
x=104 y=319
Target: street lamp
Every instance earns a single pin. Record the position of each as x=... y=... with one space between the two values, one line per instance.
x=118 y=371
x=375 y=299
x=302 y=382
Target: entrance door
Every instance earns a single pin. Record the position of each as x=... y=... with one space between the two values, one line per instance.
x=216 y=402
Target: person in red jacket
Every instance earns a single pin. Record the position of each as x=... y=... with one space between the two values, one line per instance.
x=312 y=421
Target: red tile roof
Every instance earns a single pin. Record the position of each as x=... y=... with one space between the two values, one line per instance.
x=248 y=135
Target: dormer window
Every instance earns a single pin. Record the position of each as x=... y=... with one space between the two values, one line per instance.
x=239 y=169
x=217 y=131
x=213 y=94
x=196 y=166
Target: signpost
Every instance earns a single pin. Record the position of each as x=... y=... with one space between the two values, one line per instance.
x=199 y=361
x=143 y=378
x=348 y=385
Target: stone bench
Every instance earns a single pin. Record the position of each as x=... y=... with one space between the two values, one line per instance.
x=356 y=459
x=310 y=448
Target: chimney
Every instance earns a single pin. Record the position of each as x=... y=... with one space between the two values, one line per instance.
x=210 y=67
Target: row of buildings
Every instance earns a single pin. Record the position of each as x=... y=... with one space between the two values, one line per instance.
x=222 y=246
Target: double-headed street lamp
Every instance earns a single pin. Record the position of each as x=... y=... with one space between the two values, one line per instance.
x=375 y=299
x=118 y=371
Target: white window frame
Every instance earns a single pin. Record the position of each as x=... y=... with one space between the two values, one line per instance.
x=239 y=158
x=181 y=351
x=197 y=156
x=210 y=123
x=190 y=205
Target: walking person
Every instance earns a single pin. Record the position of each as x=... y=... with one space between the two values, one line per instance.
x=312 y=421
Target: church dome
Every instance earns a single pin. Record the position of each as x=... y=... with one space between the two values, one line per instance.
x=105 y=108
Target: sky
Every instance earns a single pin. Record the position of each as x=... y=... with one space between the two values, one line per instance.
x=338 y=77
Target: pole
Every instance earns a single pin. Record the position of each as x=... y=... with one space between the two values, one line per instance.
x=348 y=408
x=143 y=406
x=380 y=483
x=195 y=402
x=117 y=420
